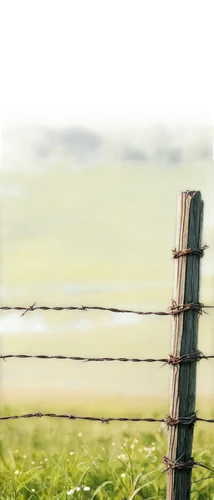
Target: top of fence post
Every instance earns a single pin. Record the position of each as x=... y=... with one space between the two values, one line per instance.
x=184 y=340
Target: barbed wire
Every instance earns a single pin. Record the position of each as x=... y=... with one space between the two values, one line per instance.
x=171 y=360
x=168 y=420
x=189 y=464
x=189 y=251
x=172 y=310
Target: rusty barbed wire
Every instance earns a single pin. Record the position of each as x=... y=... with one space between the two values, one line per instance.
x=189 y=464
x=171 y=360
x=189 y=251
x=172 y=310
x=189 y=420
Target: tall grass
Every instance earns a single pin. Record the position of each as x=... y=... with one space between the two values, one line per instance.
x=71 y=459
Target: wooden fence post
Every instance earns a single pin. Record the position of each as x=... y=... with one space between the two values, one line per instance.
x=184 y=341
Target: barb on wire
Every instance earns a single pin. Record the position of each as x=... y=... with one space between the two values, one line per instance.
x=30 y=308
x=189 y=464
x=188 y=358
x=189 y=251
x=179 y=308
x=172 y=310
x=75 y=417
x=171 y=464
x=106 y=420
x=189 y=420
x=171 y=360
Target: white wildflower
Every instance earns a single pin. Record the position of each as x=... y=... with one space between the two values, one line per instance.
x=76 y=488
x=149 y=449
x=16 y=472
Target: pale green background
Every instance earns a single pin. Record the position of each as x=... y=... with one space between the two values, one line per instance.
x=96 y=235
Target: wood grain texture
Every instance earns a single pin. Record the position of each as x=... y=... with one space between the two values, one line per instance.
x=184 y=340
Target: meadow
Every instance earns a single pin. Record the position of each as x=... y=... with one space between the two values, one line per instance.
x=95 y=236
x=61 y=459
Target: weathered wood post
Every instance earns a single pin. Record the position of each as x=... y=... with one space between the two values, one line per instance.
x=184 y=341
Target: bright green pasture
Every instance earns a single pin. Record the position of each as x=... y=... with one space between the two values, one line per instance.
x=60 y=459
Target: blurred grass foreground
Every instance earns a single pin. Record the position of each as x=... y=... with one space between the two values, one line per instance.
x=95 y=230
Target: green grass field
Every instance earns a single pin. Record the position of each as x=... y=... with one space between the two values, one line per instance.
x=54 y=459
x=99 y=236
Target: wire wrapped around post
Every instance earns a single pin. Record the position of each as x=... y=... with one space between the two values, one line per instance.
x=184 y=341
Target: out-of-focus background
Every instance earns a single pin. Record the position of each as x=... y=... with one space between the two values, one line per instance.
x=89 y=217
